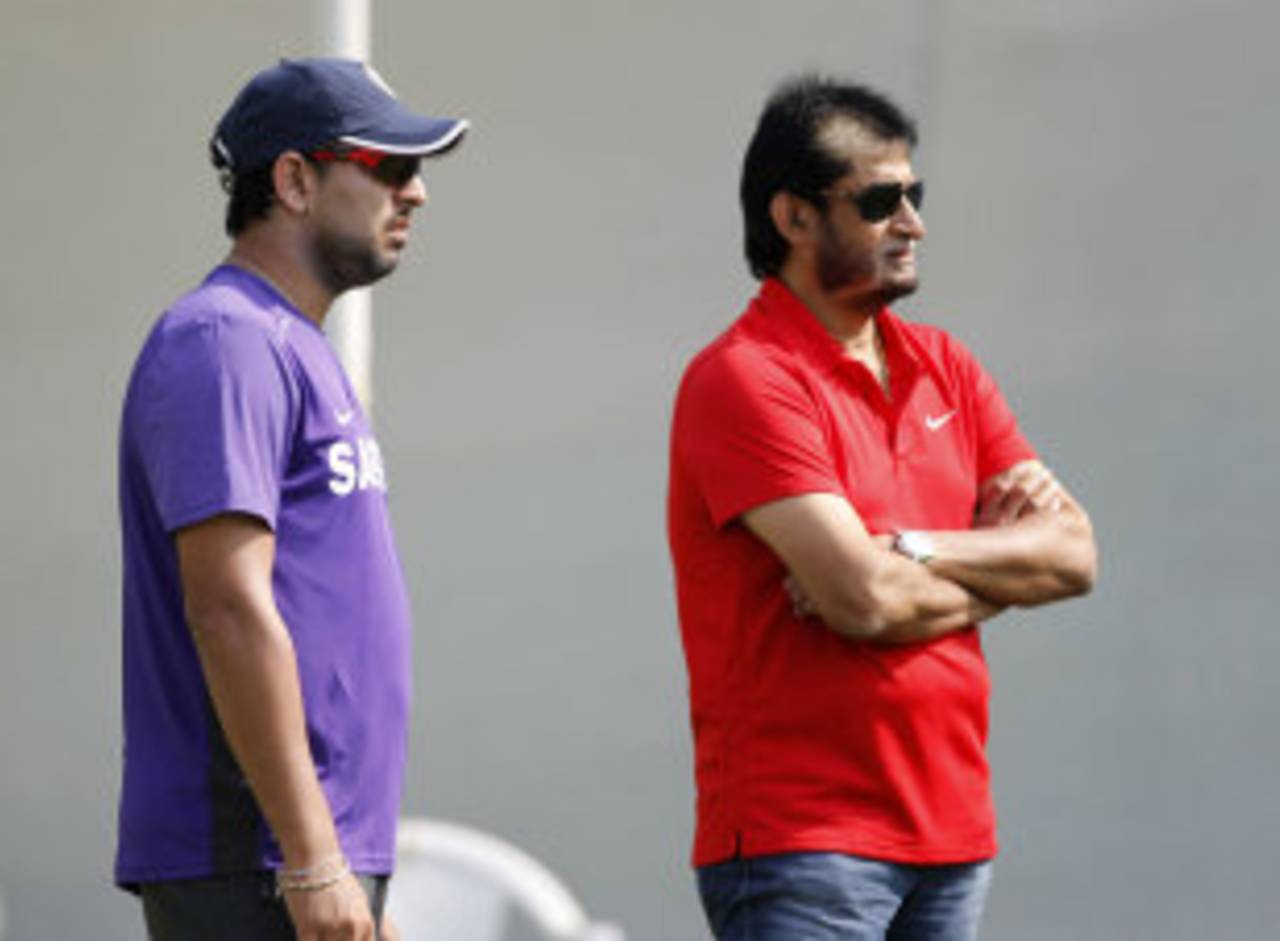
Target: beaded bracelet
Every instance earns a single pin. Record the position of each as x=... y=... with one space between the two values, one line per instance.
x=322 y=875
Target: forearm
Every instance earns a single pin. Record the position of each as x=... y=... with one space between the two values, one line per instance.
x=853 y=581
x=928 y=625
x=251 y=670
x=1044 y=556
x=903 y=602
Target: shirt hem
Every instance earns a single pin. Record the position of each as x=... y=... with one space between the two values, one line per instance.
x=979 y=850
x=206 y=511
x=130 y=878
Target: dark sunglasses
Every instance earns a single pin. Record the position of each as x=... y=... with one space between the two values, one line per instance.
x=879 y=201
x=395 y=170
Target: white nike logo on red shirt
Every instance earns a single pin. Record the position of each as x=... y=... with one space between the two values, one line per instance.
x=934 y=423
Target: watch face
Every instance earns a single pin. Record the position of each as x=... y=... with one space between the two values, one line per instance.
x=916 y=545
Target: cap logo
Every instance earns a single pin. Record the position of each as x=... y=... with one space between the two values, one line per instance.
x=373 y=76
x=225 y=154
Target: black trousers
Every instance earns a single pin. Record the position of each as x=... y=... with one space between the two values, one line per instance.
x=241 y=907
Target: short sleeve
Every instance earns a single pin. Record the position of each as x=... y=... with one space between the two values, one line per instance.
x=1000 y=443
x=747 y=432
x=215 y=422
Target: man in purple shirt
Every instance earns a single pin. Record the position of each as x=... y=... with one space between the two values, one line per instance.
x=266 y=626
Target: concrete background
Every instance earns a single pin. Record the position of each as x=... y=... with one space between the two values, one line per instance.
x=1102 y=214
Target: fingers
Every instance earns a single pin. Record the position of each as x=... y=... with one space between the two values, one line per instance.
x=337 y=913
x=992 y=510
x=390 y=930
x=1039 y=492
x=1024 y=489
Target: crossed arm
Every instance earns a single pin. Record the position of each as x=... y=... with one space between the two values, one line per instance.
x=1032 y=544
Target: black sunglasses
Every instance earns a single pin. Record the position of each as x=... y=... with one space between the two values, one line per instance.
x=879 y=201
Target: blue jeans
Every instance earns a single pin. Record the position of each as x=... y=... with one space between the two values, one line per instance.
x=829 y=896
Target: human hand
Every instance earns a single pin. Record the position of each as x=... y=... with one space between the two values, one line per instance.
x=1028 y=487
x=339 y=912
x=390 y=930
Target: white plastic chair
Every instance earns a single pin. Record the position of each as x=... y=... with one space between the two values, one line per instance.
x=453 y=883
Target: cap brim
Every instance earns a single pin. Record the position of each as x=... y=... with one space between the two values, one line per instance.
x=403 y=132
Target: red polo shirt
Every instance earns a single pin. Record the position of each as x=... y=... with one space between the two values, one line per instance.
x=806 y=740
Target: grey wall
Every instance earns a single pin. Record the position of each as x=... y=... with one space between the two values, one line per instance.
x=1102 y=207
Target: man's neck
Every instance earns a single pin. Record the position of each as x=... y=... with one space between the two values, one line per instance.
x=851 y=322
x=276 y=263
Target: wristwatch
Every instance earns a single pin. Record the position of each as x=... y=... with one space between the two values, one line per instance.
x=914 y=544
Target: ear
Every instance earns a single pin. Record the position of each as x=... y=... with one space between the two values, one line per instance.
x=794 y=218
x=295 y=181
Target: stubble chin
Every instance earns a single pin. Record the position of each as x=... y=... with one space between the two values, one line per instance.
x=853 y=280
x=887 y=295
x=346 y=263
x=898 y=289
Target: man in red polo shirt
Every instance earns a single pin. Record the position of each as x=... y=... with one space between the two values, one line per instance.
x=849 y=496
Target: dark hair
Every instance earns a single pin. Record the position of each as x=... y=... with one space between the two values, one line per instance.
x=250 y=194
x=250 y=197
x=785 y=153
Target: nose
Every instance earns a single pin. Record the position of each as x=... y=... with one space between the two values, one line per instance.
x=907 y=221
x=414 y=192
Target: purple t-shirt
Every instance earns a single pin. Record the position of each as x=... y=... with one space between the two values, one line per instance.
x=237 y=404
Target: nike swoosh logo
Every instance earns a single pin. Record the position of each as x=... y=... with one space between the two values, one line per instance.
x=344 y=417
x=933 y=423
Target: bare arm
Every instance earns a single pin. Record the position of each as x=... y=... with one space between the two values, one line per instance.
x=250 y=667
x=1034 y=543
x=857 y=587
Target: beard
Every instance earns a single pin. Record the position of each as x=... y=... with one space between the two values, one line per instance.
x=887 y=292
x=841 y=267
x=346 y=261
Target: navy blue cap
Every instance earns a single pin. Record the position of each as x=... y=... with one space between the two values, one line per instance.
x=303 y=104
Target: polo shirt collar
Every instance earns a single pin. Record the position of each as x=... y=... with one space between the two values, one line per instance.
x=789 y=316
